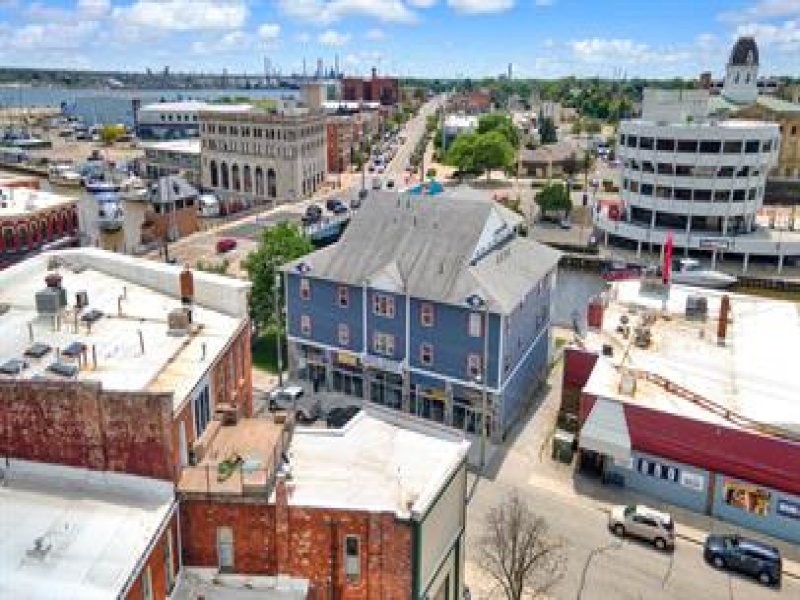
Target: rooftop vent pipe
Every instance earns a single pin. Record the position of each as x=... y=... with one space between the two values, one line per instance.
x=724 y=315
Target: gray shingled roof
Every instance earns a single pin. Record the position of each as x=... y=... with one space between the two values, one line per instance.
x=429 y=241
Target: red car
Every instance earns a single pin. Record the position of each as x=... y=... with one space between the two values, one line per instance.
x=225 y=245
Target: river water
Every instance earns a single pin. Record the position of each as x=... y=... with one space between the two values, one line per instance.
x=95 y=106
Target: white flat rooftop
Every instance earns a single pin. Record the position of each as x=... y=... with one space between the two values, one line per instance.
x=150 y=290
x=373 y=464
x=190 y=146
x=183 y=106
x=753 y=375
x=21 y=201
x=92 y=528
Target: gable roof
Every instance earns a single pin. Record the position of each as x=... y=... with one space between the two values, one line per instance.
x=445 y=247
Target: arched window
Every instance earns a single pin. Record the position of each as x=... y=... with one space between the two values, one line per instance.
x=237 y=183
x=42 y=231
x=259 y=181
x=736 y=78
x=248 y=182
x=272 y=184
x=747 y=78
x=214 y=174
x=226 y=182
x=22 y=233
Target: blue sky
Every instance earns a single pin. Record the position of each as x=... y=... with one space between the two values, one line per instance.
x=434 y=38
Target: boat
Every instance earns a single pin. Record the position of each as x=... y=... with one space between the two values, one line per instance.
x=100 y=184
x=110 y=211
x=691 y=272
x=620 y=271
x=64 y=175
x=134 y=188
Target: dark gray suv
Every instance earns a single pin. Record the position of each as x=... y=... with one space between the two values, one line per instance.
x=746 y=556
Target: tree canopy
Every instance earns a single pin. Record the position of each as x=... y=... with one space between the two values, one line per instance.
x=502 y=123
x=279 y=244
x=554 y=197
x=481 y=152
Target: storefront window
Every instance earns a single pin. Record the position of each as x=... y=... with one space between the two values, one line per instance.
x=749 y=498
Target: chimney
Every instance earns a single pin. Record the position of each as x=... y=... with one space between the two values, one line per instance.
x=374 y=72
x=724 y=316
x=187 y=290
x=594 y=313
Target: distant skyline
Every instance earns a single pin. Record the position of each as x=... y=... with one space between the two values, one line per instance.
x=427 y=38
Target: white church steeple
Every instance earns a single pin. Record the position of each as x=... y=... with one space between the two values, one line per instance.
x=741 y=74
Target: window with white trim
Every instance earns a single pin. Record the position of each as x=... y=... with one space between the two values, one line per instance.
x=344 y=334
x=426 y=354
x=305 y=289
x=383 y=343
x=474 y=366
x=305 y=324
x=352 y=557
x=383 y=305
x=475 y=325
x=343 y=296
x=147 y=584
x=426 y=314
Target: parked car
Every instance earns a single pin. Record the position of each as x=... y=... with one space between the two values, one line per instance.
x=390 y=184
x=340 y=416
x=331 y=203
x=645 y=523
x=292 y=397
x=377 y=183
x=225 y=245
x=565 y=224
x=744 y=555
x=339 y=209
x=313 y=214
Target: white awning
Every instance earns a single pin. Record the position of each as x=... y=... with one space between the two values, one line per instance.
x=606 y=431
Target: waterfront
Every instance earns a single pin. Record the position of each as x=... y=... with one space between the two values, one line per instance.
x=105 y=106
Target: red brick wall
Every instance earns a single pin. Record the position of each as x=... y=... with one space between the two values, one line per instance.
x=232 y=379
x=157 y=561
x=302 y=543
x=80 y=425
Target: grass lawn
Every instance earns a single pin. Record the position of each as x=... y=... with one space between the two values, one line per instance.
x=264 y=352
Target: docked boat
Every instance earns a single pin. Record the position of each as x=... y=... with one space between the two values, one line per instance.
x=110 y=211
x=64 y=175
x=134 y=188
x=101 y=183
x=620 y=271
x=691 y=272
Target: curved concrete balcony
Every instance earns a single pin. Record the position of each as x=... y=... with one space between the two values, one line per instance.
x=762 y=242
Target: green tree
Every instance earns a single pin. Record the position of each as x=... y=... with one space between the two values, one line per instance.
x=279 y=245
x=554 y=198
x=493 y=151
x=111 y=133
x=547 y=130
x=461 y=153
x=430 y=173
x=502 y=123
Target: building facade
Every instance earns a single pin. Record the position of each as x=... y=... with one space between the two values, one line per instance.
x=667 y=426
x=385 y=90
x=174 y=157
x=169 y=120
x=32 y=221
x=252 y=156
x=431 y=317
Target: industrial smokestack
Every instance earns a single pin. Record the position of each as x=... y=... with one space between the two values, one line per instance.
x=724 y=315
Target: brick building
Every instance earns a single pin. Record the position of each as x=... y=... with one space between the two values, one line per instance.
x=471 y=103
x=385 y=90
x=372 y=510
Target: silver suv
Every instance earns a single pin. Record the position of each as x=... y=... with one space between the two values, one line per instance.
x=645 y=523
x=292 y=398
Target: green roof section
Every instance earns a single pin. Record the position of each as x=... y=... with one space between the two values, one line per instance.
x=778 y=105
x=721 y=104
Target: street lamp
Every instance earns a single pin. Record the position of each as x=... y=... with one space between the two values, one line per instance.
x=278 y=335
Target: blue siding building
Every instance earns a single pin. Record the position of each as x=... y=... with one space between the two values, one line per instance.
x=425 y=305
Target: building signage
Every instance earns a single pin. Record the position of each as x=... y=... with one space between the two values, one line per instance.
x=789 y=509
x=715 y=244
x=693 y=481
x=749 y=498
x=382 y=364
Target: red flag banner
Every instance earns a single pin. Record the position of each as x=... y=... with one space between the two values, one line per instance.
x=667 y=269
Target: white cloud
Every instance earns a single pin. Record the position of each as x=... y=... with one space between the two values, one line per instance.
x=323 y=12
x=475 y=7
x=376 y=35
x=269 y=32
x=184 y=15
x=784 y=36
x=41 y=37
x=93 y=9
x=333 y=38
x=765 y=9
x=624 y=52
x=231 y=42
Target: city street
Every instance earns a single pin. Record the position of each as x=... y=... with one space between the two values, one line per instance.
x=599 y=565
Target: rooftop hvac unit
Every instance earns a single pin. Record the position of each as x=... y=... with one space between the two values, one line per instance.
x=178 y=321
x=50 y=301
